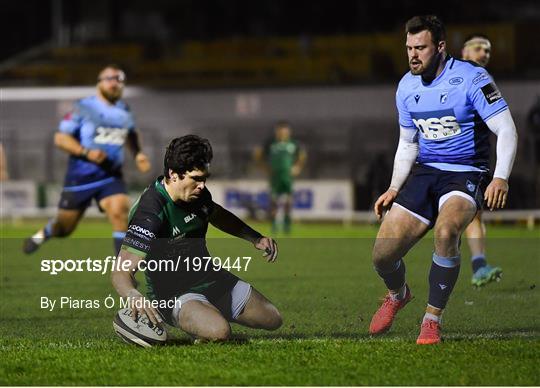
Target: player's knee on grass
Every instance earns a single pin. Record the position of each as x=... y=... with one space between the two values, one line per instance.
x=272 y=318
x=267 y=318
x=203 y=321
x=210 y=331
x=216 y=331
x=260 y=313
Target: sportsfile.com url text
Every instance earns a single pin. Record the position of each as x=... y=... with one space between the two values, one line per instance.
x=111 y=263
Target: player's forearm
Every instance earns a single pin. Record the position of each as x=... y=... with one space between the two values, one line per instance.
x=503 y=126
x=405 y=157
x=227 y=222
x=69 y=144
x=260 y=161
x=302 y=157
x=122 y=280
x=134 y=142
x=123 y=283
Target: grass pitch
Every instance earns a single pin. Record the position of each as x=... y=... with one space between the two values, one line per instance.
x=326 y=289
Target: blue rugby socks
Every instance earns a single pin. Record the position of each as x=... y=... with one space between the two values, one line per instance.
x=442 y=279
x=395 y=279
x=478 y=262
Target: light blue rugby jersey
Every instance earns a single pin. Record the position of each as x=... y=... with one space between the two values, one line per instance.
x=450 y=114
x=96 y=124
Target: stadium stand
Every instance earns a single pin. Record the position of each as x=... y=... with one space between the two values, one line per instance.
x=240 y=62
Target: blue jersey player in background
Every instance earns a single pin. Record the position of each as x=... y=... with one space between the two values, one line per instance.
x=447 y=108
x=94 y=135
x=477 y=48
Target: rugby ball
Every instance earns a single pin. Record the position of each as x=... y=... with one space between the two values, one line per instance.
x=141 y=332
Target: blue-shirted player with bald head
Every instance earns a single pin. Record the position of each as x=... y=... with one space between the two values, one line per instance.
x=94 y=135
x=447 y=107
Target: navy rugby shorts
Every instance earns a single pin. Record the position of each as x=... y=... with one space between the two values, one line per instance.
x=427 y=188
x=80 y=197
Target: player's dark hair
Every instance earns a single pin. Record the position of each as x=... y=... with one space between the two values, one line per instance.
x=431 y=23
x=187 y=153
x=282 y=123
x=472 y=36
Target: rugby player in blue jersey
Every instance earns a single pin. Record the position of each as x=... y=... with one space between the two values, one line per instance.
x=94 y=135
x=447 y=107
x=477 y=48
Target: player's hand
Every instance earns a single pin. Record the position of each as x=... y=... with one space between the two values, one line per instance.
x=295 y=170
x=384 y=202
x=96 y=156
x=496 y=194
x=140 y=306
x=142 y=162
x=269 y=246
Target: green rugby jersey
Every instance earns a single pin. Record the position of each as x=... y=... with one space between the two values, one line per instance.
x=282 y=155
x=161 y=230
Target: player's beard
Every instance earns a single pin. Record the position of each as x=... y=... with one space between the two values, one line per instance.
x=429 y=72
x=417 y=71
x=425 y=67
x=112 y=95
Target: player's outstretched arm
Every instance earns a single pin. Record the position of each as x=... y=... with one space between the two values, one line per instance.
x=123 y=281
x=229 y=223
x=503 y=126
x=72 y=146
x=142 y=161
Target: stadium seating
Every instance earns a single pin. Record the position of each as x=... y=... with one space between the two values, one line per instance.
x=302 y=60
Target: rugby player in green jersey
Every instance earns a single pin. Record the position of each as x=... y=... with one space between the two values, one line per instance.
x=169 y=222
x=284 y=159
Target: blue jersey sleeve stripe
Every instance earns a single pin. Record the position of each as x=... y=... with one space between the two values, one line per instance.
x=496 y=112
